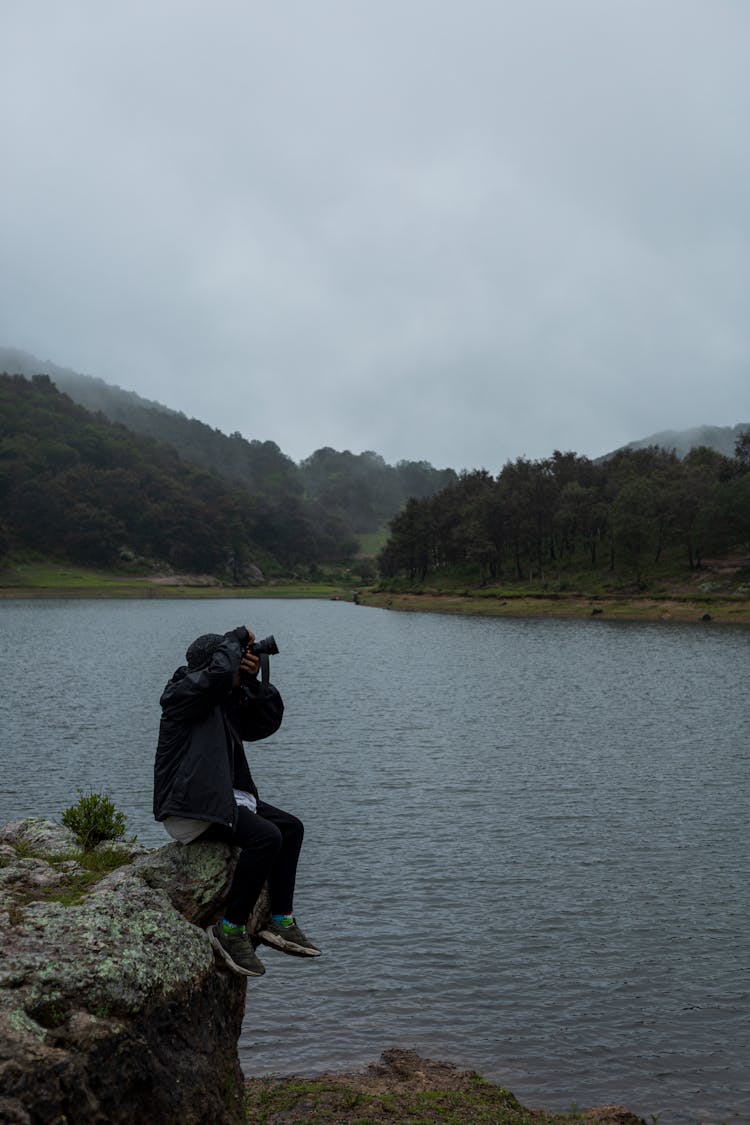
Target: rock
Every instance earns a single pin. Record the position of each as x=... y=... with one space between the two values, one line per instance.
x=195 y=888
x=42 y=837
x=27 y=875
x=394 y=1089
x=611 y=1115
x=192 y=878
x=112 y=1008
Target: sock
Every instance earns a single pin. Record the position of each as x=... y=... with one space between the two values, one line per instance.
x=233 y=928
x=283 y=920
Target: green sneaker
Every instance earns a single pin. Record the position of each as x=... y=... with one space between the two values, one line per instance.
x=289 y=939
x=237 y=950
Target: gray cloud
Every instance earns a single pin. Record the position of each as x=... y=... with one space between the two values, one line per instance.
x=442 y=231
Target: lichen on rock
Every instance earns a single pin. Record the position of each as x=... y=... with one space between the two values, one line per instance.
x=112 y=1008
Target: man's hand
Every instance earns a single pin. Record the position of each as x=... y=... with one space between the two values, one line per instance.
x=250 y=663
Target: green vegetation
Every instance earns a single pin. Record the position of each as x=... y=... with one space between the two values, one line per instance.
x=44 y=574
x=79 y=872
x=47 y=578
x=74 y=886
x=331 y=1100
x=364 y=491
x=94 y=819
x=373 y=542
x=171 y=494
x=79 y=488
x=89 y=507
x=360 y=489
x=640 y=520
x=487 y=603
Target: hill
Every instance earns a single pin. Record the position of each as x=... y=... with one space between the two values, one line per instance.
x=76 y=486
x=722 y=439
x=360 y=490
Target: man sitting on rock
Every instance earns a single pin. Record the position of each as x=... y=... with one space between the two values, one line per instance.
x=203 y=789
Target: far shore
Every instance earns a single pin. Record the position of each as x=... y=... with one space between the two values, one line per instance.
x=54 y=581
x=642 y=607
x=682 y=607
x=142 y=591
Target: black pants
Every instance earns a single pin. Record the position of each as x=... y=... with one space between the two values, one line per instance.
x=270 y=840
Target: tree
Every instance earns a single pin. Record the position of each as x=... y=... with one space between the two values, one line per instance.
x=742 y=451
x=633 y=523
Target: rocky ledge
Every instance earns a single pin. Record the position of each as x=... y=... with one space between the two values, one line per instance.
x=112 y=1008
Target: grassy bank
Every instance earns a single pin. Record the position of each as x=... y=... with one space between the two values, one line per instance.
x=717 y=591
x=50 y=580
x=712 y=598
x=666 y=607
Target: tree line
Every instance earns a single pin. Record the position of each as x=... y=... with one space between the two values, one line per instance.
x=538 y=519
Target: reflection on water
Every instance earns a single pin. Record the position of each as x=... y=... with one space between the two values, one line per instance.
x=526 y=844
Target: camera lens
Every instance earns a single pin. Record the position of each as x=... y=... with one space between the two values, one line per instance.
x=266 y=647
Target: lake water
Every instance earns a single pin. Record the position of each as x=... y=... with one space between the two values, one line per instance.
x=527 y=846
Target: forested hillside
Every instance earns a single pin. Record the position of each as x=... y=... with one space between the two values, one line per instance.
x=175 y=492
x=77 y=486
x=259 y=466
x=361 y=490
x=540 y=520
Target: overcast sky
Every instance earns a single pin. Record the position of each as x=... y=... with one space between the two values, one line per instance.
x=460 y=232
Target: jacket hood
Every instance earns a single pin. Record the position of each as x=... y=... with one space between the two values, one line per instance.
x=202 y=649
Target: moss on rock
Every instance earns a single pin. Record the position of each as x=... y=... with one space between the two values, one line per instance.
x=124 y=974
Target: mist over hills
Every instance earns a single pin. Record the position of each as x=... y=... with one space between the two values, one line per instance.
x=97 y=474
x=76 y=486
x=360 y=490
x=263 y=462
x=720 y=438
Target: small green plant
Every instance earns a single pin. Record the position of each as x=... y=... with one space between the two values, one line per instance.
x=94 y=818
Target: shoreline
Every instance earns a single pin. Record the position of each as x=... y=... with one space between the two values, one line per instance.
x=685 y=609
x=403 y=1086
x=722 y=598
x=122 y=590
x=666 y=608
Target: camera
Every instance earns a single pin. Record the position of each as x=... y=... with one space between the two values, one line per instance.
x=265 y=647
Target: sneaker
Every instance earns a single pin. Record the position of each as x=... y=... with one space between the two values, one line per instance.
x=237 y=950
x=289 y=939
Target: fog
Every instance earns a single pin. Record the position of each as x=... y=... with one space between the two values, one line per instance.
x=458 y=232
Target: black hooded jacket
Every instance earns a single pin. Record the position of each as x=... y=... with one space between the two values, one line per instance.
x=205 y=719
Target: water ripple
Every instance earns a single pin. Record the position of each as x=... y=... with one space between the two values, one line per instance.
x=526 y=846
